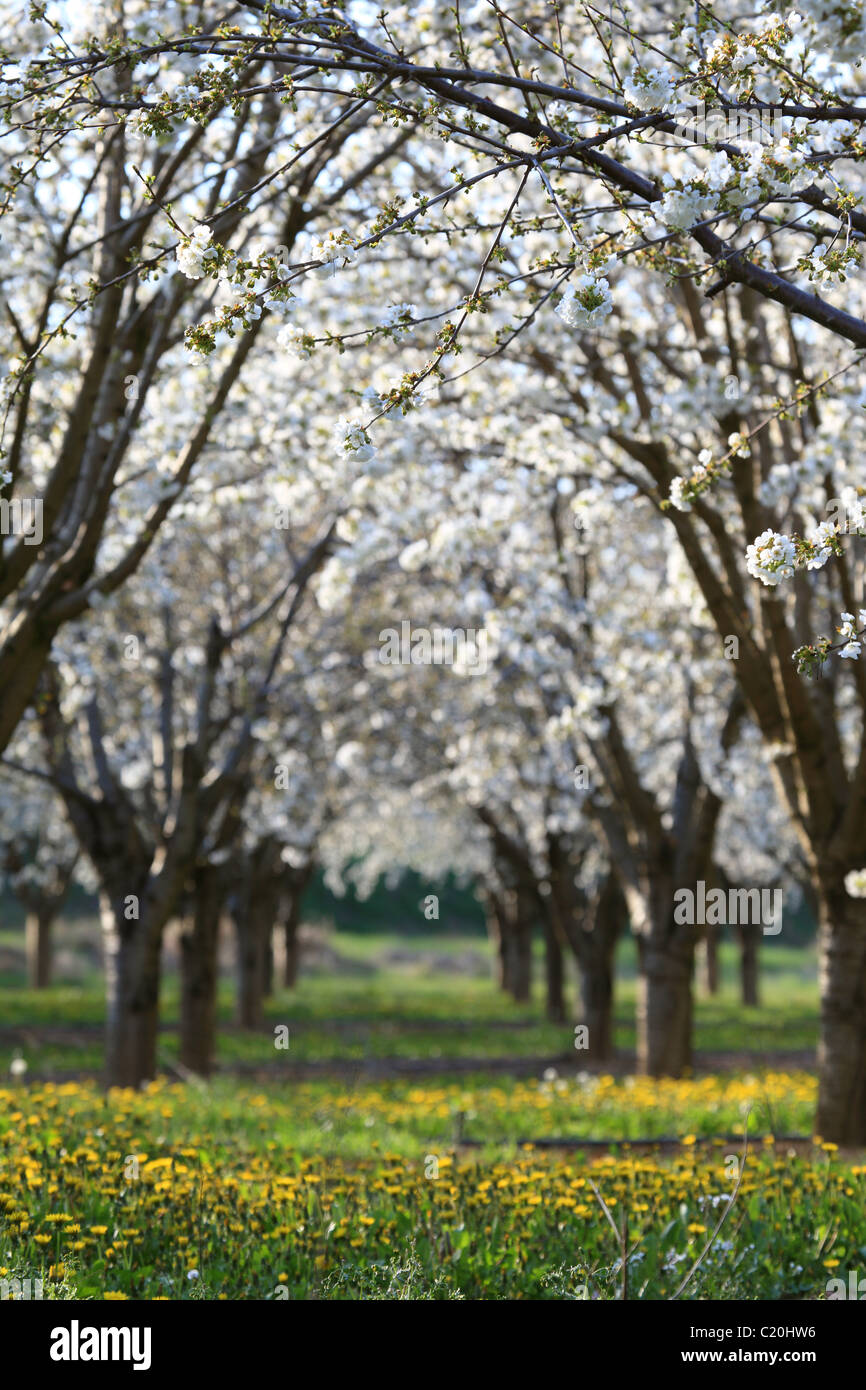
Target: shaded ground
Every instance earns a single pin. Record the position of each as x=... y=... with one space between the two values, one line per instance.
x=381 y=1006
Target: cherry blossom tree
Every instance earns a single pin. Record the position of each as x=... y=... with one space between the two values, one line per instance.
x=536 y=742
x=154 y=779
x=39 y=861
x=119 y=237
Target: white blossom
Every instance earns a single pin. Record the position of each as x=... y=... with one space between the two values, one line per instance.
x=414 y=555
x=334 y=250
x=586 y=302
x=292 y=340
x=351 y=437
x=682 y=207
x=848 y=633
x=819 y=538
x=855 y=883
x=771 y=558
x=193 y=255
x=677 y=499
x=650 y=90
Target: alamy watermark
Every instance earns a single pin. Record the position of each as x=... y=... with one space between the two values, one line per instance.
x=22 y=516
x=468 y=650
x=738 y=907
x=16 y=1290
x=76 y=1343
x=855 y=1288
x=717 y=126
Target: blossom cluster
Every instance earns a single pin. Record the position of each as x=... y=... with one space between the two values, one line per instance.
x=826 y=266
x=586 y=303
x=850 y=635
x=194 y=254
x=810 y=658
x=650 y=89
x=683 y=491
x=738 y=55
x=334 y=250
x=351 y=437
x=763 y=171
x=774 y=556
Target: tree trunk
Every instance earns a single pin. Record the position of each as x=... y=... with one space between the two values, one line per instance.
x=291 y=923
x=520 y=933
x=554 y=971
x=596 y=995
x=708 y=957
x=255 y=913
x=841 y=1115
x=521 y=978
x=510 y=951
x=749 y=972
x=268 y=963
x=38 y=946
x=251 y=969
x=664 y=1010
x=497 y=932
x=291 y=954
x=199 y=976
x=592 y=928
x=132 y=979
x=22 y=661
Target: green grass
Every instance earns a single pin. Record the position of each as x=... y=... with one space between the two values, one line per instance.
x=370 y=1008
